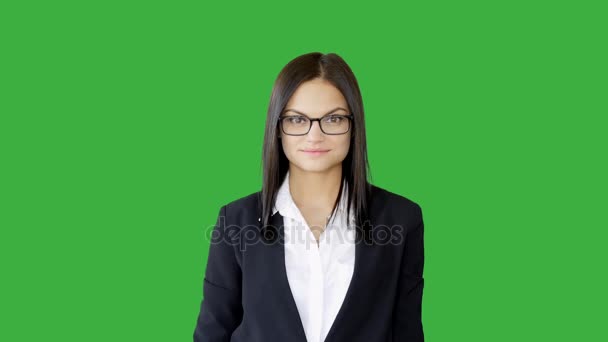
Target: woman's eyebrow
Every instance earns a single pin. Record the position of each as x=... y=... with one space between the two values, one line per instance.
x=295 y=111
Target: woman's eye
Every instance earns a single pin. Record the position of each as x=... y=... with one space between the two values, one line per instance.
x=296 y=119
x=333 y=119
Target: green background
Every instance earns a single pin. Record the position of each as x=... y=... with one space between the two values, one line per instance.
x=126 y=125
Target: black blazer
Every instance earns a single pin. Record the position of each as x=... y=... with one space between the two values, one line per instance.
x=246 y=294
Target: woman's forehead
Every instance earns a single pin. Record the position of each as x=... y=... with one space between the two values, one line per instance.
x=316 y=98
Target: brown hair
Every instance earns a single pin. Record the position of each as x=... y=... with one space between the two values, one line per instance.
x=355 y=167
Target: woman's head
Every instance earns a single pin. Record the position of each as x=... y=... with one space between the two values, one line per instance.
x=314 y=86
x=301 y=135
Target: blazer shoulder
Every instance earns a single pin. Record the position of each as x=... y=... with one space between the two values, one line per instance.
x=383 y=198
x=245 y=204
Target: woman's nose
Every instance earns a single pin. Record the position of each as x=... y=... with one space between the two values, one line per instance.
x=315 y=132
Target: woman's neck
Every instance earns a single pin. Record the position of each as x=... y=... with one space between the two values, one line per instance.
x=315 y=189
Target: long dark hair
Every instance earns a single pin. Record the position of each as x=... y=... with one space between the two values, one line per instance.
x=355 y=167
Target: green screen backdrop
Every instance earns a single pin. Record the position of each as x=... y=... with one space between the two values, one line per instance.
x=126 y=125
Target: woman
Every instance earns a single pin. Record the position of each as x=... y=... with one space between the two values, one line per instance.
x=319 y=254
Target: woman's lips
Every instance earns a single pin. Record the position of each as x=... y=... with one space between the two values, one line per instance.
x=315 y=152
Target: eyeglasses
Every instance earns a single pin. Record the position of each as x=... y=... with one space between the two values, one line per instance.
x=332 y=124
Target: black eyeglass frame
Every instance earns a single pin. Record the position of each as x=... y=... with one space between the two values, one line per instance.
x=350 y=118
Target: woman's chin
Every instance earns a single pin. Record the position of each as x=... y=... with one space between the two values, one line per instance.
x=318 y=166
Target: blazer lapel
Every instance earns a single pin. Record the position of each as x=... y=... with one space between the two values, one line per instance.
x=356 y=289
x=277 y=251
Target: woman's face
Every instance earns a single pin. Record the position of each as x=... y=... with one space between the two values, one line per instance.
x=316 y=98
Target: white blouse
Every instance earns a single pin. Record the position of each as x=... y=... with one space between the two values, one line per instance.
x=319 y=276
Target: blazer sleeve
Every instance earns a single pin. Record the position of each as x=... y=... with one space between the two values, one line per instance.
x=407 y=317
x=221 y=309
